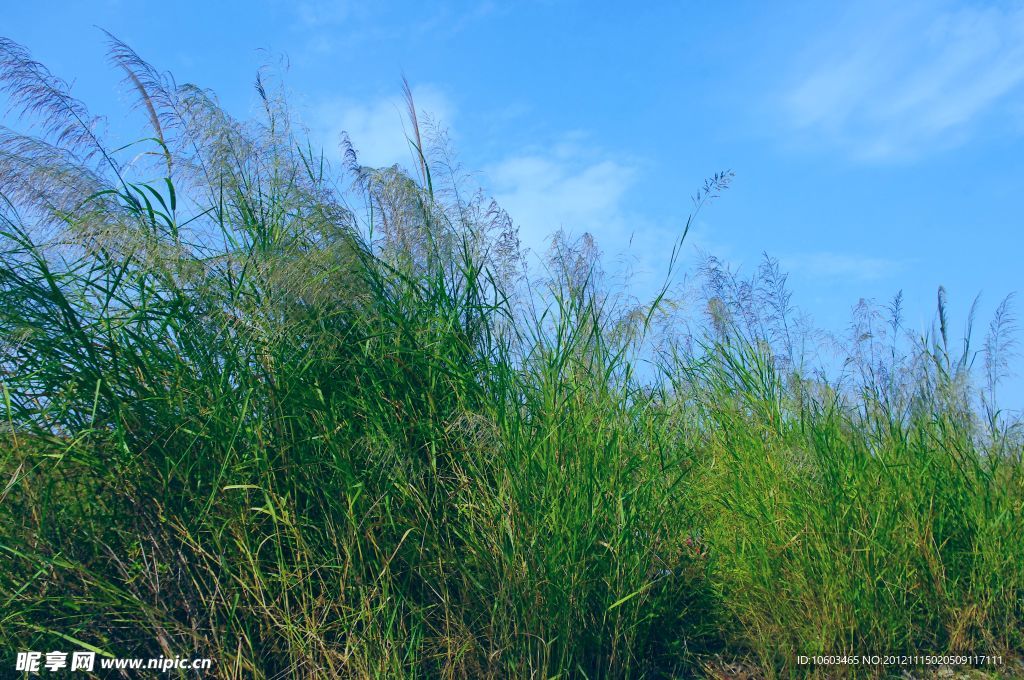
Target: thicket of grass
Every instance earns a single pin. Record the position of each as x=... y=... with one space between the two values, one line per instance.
x=310 y=432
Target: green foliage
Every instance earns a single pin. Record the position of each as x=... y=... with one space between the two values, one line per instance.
x=243 y=422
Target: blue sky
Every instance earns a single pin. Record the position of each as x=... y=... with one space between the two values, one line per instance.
x=877 y=146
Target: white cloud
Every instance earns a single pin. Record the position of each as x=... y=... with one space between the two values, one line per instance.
x=566 y=185
x=379 y=130
x=327 y=26
x=850 y=267
x=318 y=13
x=898 y=82
x=563 y=188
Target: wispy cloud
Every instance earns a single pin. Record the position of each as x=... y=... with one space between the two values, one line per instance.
x=844 y=266
x=330 y=25
x=320 y=13
x=568 y=184
x=897 y=82
x=379 y=129
x=565 y=187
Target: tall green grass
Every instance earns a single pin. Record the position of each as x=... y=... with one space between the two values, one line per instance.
x=311 y=430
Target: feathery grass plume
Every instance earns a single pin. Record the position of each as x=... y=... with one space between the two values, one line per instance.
x=46 y=102
x=1000 y=343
